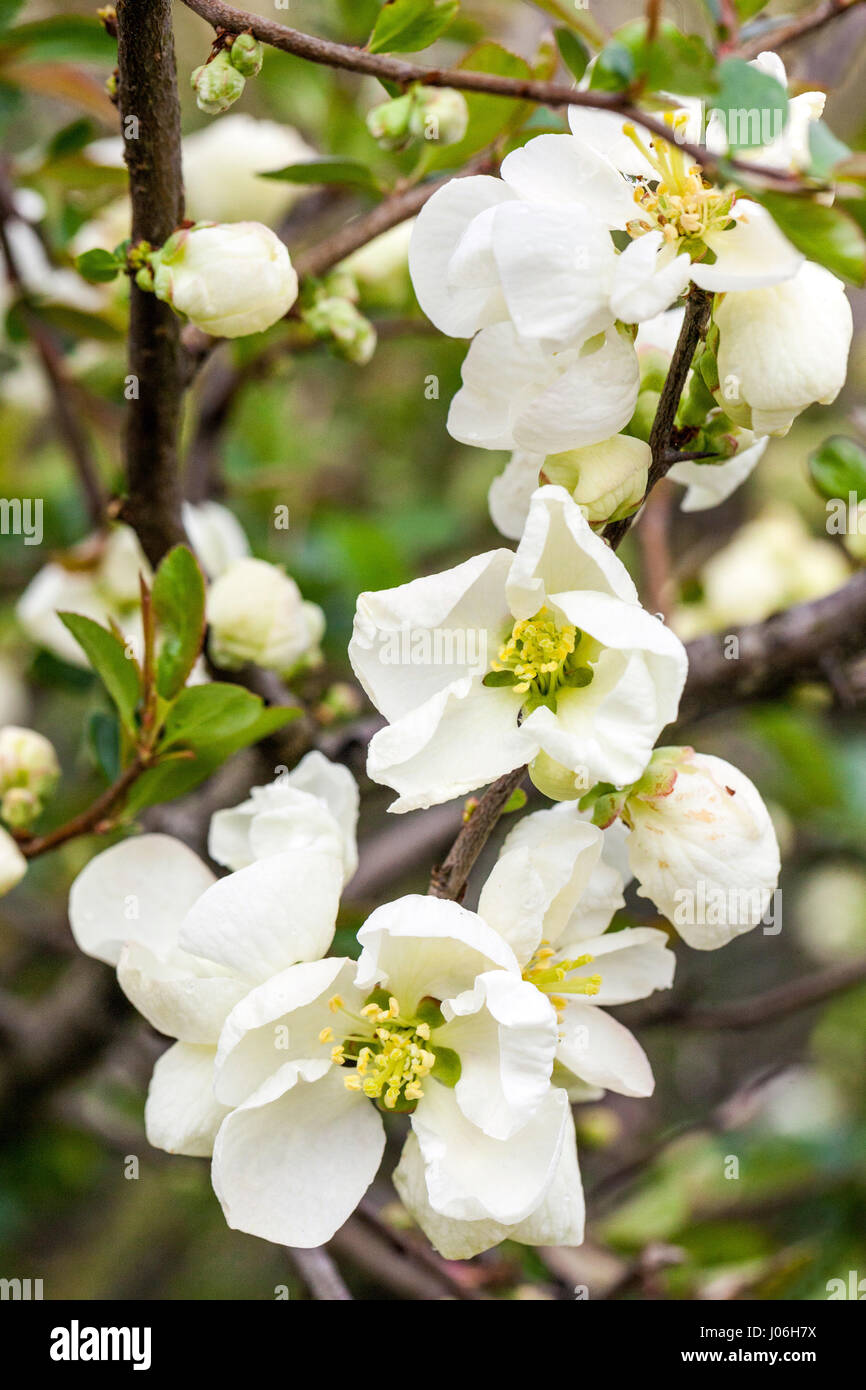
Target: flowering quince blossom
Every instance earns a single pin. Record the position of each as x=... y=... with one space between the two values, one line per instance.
x=783 y=348
x=223 y=164
x=606 y=480
x=229 y=279
x=256 y=613
x=136 y=906
x=701 y=845
x=572 y=675
x=709 y=484
x=551 y=897
x=790 y=149
x=101 y=580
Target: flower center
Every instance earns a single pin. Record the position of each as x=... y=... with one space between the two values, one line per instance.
x=540 y=656
x=681 y=205
x=557 y=980
x=390 y=1055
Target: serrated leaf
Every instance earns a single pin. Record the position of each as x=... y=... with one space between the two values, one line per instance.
x=574 y=51
x=751 y=106
x=98 y=266
x=346 y=172
x=406 y=26
x=107 y=655
x=178 y=603
x=838 y=468
x=827 y=235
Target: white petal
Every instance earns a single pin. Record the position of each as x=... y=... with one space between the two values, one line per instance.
x=646 y=284
x=181 y=1114
x=557 y=169
x=415 y=641
x=270 y=915
x=602 y=131
x=472 y=1177
x=632 y=963
x=419 y=946
x=138 y=890
x=291 y=1164
x=750 y=255
x=458 y=309
x=710 y=484
x=511 y=491
x=504 y=1032
x=180 y=996
x=559 y=551
x=280 y=1022
x=602 y=1052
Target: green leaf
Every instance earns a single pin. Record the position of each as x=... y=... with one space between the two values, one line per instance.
x=107 y=655
x=752 y=107
x=178 y=603
x=827 y=235
x=747 y=9
x=103 y=733
x=680 y=63
x=489 y=117
x=614 y=68
x=98 y=266
x=65 y=38
x=825 y=149
x=575 y=53
x=71 y=138
x=8 y=10
x=515 y=802
x=205 y=713
x=347 y=172
x=406 y=26
x=838 y=468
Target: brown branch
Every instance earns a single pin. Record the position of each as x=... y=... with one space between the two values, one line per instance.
x=796 y=29
x=89 y=820
x=401 y=72
x=449 y=878
x=150 y=118
x=770 y=1006
x=763 y=659
x=51 y=358
x=695 y=320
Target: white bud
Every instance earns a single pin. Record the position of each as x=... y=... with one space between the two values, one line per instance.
x=229 y=279
x=704 y=851
x=439 y=114
x=13 y=865
x=256 y=614
x=28 y=763
x=784 y=348
x=606 y=480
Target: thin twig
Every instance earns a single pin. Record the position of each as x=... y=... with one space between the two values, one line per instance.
x=770 y=1006
x=320 y=1275
x=789 y=33
x=449 y=879
x=89 y=820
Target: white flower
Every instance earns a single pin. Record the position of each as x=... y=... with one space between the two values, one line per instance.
x=256 y=614
x=553 y=635
x=222 y=164
x=606 y=480
x=140 y=906
x=101 y=579
x=229 y=279
x=481 y=253
x=708 y=484
x=517 y=396
x=705 y=851
x=453 y=1034
x=783 y=348
x=13 y=865
x=315 y=805
x=789 y=150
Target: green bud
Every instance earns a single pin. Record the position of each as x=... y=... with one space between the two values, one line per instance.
x=19 y=808
x=641 y=423
x=439 y=114
x=217 y=85
x=340 y=284
x=247 y=55
x=389 y=123
x=354 y=337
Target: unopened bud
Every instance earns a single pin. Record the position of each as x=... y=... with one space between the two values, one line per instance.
x=247 y=55
x=29 y=772
x=606 y=480
x=439 y=114
x=389 y=123
x=353 y=335
x=217 y=85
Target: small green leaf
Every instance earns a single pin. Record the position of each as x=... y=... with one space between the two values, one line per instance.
x=347 y=172
x=178 y=603
x=406 y=26
x=515 y=802
x=494 y=679
x=71 y=138
x=65 y=39
x=103 y=733
x=107 y=655
x=827 y=235
x=825 y=149
x=203 y=714
x=98 y=266
x=838 y=468
x=447 y=1067
x=751 y=106
x=614 y=68
x=575 y=53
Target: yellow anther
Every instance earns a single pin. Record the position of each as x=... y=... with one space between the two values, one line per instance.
x=338 y=1055
x=352 y=1083
x=335 y=1003
x=326 y=1035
